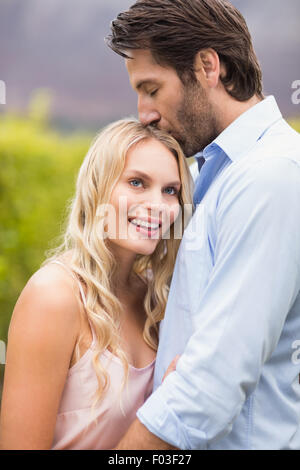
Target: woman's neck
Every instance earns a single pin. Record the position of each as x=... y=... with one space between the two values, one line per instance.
x=123 y=276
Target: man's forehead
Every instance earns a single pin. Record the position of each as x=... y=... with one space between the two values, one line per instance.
x=140 y=55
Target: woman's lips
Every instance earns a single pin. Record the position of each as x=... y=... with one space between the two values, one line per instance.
x=145 y=231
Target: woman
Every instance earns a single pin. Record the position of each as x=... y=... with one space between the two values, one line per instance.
x=83 y=336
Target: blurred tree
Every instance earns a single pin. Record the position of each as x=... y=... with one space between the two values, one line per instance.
x=295 y=123
x=37 y=178
x=39 y=108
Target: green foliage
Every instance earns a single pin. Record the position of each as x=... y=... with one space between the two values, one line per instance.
x=37 y=179
x=295 y=123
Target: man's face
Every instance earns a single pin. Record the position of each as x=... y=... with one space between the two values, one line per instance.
x=184 y=111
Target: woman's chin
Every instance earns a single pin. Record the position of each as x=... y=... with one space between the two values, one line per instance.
x=138 y=247
x=144 y=247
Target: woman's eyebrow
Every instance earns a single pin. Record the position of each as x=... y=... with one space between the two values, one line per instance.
x=148 y=178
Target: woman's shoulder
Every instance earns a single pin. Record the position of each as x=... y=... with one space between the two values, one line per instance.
x=55 y=282
x=49 y=296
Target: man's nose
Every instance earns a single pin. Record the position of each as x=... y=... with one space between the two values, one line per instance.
x=148 y=116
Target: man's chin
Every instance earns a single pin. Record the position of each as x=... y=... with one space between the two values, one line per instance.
x=189 y=153
x=187 y=149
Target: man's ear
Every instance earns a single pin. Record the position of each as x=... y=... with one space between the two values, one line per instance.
x=207 y=67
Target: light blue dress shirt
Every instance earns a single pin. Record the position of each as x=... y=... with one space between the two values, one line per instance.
x=233 y=312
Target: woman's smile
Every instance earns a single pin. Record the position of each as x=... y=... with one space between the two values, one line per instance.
x=150 y=229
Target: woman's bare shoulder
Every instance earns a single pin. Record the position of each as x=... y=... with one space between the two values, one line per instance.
x=49 y=298
x=51 y=275
x=41 y=340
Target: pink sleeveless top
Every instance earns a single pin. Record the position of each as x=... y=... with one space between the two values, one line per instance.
x=76 y=426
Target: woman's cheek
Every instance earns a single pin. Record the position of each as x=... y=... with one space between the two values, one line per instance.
x=175 y=210
x=170 y=217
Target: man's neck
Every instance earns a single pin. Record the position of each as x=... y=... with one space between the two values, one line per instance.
x=229 y=109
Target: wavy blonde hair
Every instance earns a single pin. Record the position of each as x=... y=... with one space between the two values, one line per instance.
x=92 y=261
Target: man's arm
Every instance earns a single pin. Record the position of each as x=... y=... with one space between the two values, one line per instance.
x=254 y=283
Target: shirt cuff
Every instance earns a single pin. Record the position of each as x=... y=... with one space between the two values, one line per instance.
x=161 y=420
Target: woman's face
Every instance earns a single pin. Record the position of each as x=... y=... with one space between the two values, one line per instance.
x=145 y=200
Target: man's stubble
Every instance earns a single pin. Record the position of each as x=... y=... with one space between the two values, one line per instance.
x=197 y=120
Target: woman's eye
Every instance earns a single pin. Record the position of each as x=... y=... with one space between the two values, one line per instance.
x=171 y=191
x=135 y=183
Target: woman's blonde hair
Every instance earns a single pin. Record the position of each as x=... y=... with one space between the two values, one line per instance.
x=92 y=261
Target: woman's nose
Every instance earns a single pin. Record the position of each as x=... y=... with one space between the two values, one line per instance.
x=155 y=204
x=155 y=196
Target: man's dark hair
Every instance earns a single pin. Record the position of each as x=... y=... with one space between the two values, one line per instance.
x=176 y=30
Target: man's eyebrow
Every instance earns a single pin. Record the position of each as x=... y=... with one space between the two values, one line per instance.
x=142 y=83
x=148 y=178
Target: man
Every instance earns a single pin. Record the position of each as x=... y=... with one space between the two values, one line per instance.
x=233 y=312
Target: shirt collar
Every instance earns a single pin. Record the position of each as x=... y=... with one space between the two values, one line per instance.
x=247 y=129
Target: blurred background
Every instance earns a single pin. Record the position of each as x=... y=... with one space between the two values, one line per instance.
x=62 y=85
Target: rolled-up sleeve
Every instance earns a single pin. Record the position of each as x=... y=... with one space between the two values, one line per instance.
x=252 y=286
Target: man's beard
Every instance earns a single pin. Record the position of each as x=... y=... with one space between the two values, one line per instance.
x=197 y=121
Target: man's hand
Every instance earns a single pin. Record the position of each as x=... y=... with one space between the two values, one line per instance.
x=139 y=438
x=171 y=367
